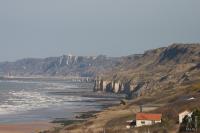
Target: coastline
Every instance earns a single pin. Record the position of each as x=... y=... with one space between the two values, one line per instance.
x=80 y=116
x=28 y=127
x=38 y=77
x=50 y=126
x=47 y=126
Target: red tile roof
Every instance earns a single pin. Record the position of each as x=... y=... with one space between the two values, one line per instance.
x=147 y=116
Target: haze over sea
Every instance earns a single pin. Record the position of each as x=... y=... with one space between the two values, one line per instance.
x=36 y=99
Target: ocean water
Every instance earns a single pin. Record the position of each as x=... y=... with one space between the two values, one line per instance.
x=35 y=100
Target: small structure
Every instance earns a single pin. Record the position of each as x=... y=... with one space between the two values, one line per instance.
x=182 y=114
x=143 y=119
x=130 y=123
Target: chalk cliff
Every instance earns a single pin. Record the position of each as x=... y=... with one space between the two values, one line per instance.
x=156 y=69
x=134 y=75
x=65 y=65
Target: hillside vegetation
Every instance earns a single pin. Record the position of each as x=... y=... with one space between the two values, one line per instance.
x=169 y=102
x=162 y=80
x=153 y=71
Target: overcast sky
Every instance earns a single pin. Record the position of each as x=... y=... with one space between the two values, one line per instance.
x=42 y=28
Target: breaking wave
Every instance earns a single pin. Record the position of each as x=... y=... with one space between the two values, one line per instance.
x=34 y=98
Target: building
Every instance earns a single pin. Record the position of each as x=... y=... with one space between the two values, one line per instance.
x=143 y=119
x=182 y=114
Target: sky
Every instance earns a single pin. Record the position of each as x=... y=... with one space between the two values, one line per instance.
x=43 y=28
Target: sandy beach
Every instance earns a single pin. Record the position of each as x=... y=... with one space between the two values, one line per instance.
x=30 y=127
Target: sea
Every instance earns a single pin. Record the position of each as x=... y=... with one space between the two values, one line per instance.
x=27 y=100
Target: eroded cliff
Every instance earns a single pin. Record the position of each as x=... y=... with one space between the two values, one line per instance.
x=156 y=69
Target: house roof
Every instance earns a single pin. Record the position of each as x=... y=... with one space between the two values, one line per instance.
x=185 y=111
x=147 y=116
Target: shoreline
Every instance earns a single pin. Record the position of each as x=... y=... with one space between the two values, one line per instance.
x=78 y=116
x=40 y=126
x=49 y=126
x=27 y=127
x=44 y=126
x=76 y=78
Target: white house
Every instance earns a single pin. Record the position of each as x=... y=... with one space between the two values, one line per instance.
x=143 y=119
x=182 y=114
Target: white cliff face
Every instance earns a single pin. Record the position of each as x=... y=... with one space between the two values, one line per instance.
x=61 y=60
x=104 y=85
x=132 y=89
x=116 y=87
x=65 y=65
x=75 y=59
x=67 y=60
x=108 y=86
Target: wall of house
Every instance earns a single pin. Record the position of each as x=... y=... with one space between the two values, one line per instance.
x=182 y=115
x=146 y=122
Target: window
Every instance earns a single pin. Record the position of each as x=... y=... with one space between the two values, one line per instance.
x=142 y=122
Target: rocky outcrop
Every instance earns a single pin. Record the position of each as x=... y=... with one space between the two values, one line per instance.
x=108 y=86
x=161 y=68
x=131 y=90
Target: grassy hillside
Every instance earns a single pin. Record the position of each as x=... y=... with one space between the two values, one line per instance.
x=168 y=67
x=169 y=103
x=164 y=79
